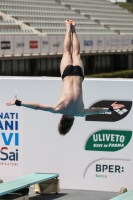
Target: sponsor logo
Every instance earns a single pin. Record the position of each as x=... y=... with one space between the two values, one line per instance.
x=109 y=168
x=131 y=41
x=108 y=140
x=121 y=112
x=88 y=43
x=5 y=45
x=9 y=138
x=108 y=43
x=56 y=45
x=99 y=168
x=101 y=176
x=99 y=42
x=19 y=44
x=33 y=44
x=114 y=116
x=103 y=168
x=6 y=155
x=45 y=43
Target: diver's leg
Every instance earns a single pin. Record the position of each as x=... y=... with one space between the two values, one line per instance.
x=67 y=57
x=76 y=48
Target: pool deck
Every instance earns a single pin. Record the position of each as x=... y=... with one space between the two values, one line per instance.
x=66 y=194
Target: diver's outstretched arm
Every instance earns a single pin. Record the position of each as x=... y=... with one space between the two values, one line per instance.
x=94 y=111
x=34 y=106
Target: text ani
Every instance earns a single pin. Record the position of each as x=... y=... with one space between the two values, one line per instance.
x=9 y=125
x=8 y=121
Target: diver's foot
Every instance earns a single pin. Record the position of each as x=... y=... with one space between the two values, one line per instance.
x=73 y=24
x=68 y=23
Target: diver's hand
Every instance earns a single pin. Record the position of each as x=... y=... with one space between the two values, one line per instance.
x=115 y=105
x=12 y=102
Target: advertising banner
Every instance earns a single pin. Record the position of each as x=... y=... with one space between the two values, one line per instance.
x=119 y=42
x=114 y=42
x=60 y=40
x=28 y=45
x=95 y=42
x=19 y=44
x=107 y=43
x=44 y=44
x=130 y=42
x=107 y=117
x=100 y=42
x=11 y=142
x=109 y=171
x=53 y=44
x=35 y=45
x=81 y=41
x=1 y=47
x=96 y=151
x=108 y=140
x=88 y=43
x=125 y=42
x=8 y=45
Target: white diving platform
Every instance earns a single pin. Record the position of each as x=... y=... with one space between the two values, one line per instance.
x=124 y=196
x=25 y=182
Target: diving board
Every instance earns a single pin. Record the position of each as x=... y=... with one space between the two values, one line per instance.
x=125 y=196
x=24 y=182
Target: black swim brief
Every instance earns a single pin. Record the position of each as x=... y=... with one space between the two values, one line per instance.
x=71 y=70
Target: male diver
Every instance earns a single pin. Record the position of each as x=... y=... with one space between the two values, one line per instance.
x=70 y=103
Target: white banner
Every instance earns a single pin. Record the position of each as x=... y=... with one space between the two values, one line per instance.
x=105 y=171
x=44 y=43
x=107 y=43
x=28 y=45
x=53 y=44
x=8 y=45
x=81 y=42
x=1 y=45
x=125 y=42
x=95 y=43
x=19 y=44
x=88 y=43
x=97 y=150
x=60 y=40
x=114 y=42
x=119 y=42
x=130 y=41
x=100 y=43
